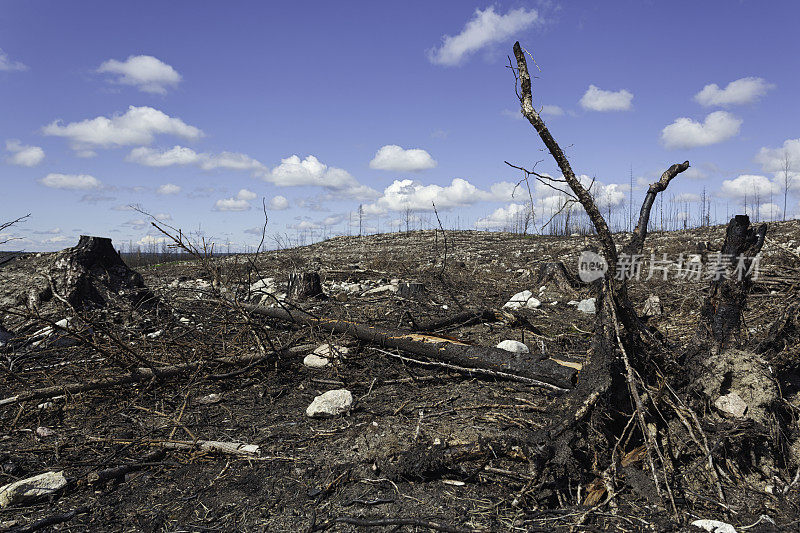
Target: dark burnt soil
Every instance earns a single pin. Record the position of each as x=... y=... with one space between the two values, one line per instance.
x=419 y=442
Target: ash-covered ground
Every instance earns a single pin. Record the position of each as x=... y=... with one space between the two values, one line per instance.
x=418 y=442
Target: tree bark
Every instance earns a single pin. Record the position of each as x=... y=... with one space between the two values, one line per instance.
x=304 y=285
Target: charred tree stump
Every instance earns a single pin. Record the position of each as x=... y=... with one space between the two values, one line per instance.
x=721 y=314
x=304 y=285
x=411 y=289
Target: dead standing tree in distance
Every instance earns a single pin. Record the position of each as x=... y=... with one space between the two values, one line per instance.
x=583 y=439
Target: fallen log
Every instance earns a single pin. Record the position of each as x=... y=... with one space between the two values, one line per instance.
x=448 y=351
x=137 y=376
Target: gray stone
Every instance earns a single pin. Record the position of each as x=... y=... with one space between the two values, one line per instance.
x=587 y=306
x=330 y=404
x=522 y=300
x=731 y=405
x=513 y=346
x=315 y=361
x=32 y=488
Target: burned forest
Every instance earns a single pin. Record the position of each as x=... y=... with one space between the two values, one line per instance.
x=426 y=380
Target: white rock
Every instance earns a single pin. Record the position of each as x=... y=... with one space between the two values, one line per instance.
x=44 y=431
x=521 y=300
x=155 y=334
x=731 y=404
x=330 y=350
x=31 y=488
x=382 y=289
x=263 y=285
x=210 y=399
x=652 y=306
x=315 y=361
x=587 y=306
x=331 y=403
x=513 y=346
x=714 y=526
x=573 y=302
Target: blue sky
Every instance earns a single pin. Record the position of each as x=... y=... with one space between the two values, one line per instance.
x=195 y=111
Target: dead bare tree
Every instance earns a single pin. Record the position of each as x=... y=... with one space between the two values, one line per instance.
x=620 y=360
x=786 y=181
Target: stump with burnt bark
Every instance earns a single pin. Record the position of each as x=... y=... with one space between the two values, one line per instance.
x=303 y=285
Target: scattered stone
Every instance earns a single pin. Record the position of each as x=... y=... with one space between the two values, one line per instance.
x=32 y=488
x=731 y=405
x=522 y=300
x=714 y=526
x=381 y=290
x=331 y=350
x=652 y=306
x=587 y=306
x=315 y=361
x=44 y=432
x=155 y=334
x=330 y=404
x=513 y=346
x=210 y=399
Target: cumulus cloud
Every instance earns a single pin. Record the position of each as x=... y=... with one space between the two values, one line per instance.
x=25 y=156
x=8 y=65
x=168 y=188
x=686 y=133
x=748 y=186
x=485 y=28
x=737 y=92
x=294 y=172
x=241 y=202
x=399 y=159
x=773 y=159
x=278 y=203
x=304 y=225
x=71 y=181
x=410 y=194
x=685 y=197
x=550 y=111
x=138 y=125
x=605 y=196
x=151 y=240
x=182 y=156
x=147 y=73
x=502 y=217
x=597 y=99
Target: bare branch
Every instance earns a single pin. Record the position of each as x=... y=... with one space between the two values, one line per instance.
x=582 y=194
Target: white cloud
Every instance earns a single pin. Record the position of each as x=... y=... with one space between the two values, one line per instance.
x=231 y=204
x=685 y=197
x=749 y=186
x=397 y=158
x=597 y=99
x=278 y=203
x=694 y=173
x=294 y=172
x=686 y=133
x=605 y=196
x=244 y=194
x=8 y=65
x=151 y=240
x=772 y=159
x=333 y=220
x=304 y=225
x=485 y=28
x=168 y=188
x=26 y=156
x=138 y=125
x=147 y=73
x=410 y=194
x=182 y=156
x=71 y=181
x=502 y=217
x=550 y=110
x=241 y=202
x=765 y=211
x=741 y=91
